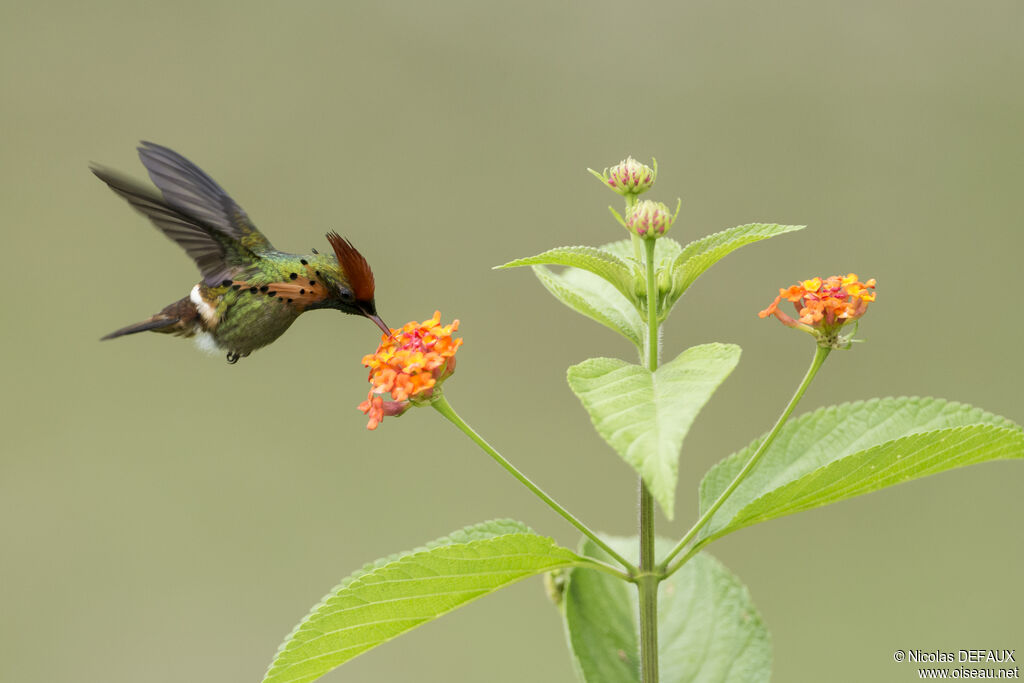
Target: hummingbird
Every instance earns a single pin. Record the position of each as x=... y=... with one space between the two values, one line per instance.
x=250 y=292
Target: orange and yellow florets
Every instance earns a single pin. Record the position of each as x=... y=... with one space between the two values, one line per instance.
x=409 y=364
x=824 y=305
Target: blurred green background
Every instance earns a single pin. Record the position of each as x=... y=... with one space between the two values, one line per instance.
x=168 y=517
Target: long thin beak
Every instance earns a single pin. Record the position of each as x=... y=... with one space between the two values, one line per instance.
x=380 y=323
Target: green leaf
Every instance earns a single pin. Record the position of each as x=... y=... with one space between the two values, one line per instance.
x=592 y=296
x=597 y=261
x=708 y=628
x=646 y=416
x=843 y=451
x=396 y=594
x=615 y=298
x=696 y=257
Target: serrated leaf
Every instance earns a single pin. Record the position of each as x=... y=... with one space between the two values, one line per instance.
x=697 y=256
x=597 y=261
x=592 y=296
x=618 y=306
x=398 y=593
x=708 y=628
x=645 y=416
x=843 y=451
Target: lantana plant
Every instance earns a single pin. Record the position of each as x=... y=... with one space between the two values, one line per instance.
x=638 y=609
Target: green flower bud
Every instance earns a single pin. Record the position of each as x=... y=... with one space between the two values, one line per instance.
x=629 y=177
x=664 y=281
x=649 y=219
x=555 y=583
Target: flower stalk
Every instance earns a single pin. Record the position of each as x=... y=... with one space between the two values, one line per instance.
x=441 y=405
x=820 y=354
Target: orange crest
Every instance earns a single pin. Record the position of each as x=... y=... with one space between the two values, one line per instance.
x=357 y=270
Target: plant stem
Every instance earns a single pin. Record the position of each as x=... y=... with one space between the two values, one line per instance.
x=652 y=307
x=631 y=201
x=647 y=586
x=820 y=354
x=648 y=579
x=591 y=563
x=442 y=406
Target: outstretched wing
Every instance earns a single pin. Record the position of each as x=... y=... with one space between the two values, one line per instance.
x=217 y=255
x=191 y=192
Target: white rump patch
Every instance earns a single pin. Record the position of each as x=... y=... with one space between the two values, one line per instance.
x=206 y=311
x=205 y=342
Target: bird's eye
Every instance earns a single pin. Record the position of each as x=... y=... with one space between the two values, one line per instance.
x=346 y=295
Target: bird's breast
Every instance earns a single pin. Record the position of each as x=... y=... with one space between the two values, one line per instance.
x=244 y=315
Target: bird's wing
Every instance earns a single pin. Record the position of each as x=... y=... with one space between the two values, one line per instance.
x=193 y=193
x=218 y=256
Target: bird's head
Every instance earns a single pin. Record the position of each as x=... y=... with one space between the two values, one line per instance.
x=349 y=281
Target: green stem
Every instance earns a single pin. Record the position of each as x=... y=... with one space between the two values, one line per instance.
x=687 y=556
x=652 y=307
x=820 y=354
x=647 y=587
x=649 y=577
x=591 y=563
x=442 y=406
x=631 y=201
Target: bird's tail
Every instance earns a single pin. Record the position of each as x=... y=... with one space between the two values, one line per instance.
x=157 y=322
x=179 y=318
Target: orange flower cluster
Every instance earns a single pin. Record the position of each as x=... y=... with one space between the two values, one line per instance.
x=824 y=305
x=409 y=364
